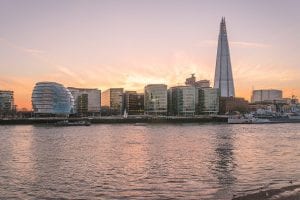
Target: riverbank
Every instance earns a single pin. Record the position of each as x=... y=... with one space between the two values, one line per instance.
x=115 y=120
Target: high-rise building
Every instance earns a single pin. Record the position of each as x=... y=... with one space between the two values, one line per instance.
x=134 y=103
x=50 y=98
x=181 y=100
x=87 y=101
x=223 y=71
x=268 y=95
x=112 y=101
x=156 y=102
x=7 y=106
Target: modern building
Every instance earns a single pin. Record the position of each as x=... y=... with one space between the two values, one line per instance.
x=134 y=103
x=7 y=106
x=156 y=102
x=87 y=100
x=191 y=81
x=181 y=101
x=208 y=101
x=50 y=98
x=112 y=101
x=223 y=72
x=233 y=104
x=268 y=95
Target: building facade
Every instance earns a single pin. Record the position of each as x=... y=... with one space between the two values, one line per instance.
x=233 y=104
x=112 y=101
x=155 y=99
x=223 y=72
x=134 y=103
x=208 y=100
x=50 y=98
x=181 y=101
x=268 y=95
x=7 y=106
x=87 y=101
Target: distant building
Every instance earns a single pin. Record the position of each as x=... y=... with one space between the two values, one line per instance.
x=134 y=103
x=268 y=95
x=181 y=100
x=87 y=101
x=202 y=84
x=50 y=98
x=232 y=104
x=7 y=106
x=112 y=101
x=156 y=99
x=223 y=72
x=191 y=81
x=208 y=100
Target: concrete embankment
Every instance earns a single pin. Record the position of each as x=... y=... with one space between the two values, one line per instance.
x=115 y=120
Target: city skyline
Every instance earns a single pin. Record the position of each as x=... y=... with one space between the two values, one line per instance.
x=116 y=44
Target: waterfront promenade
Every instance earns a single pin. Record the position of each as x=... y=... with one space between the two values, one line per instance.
x=118 y=119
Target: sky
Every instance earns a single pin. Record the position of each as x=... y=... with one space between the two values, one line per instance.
x=131 y=43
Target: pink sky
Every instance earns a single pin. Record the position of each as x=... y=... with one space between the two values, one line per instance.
x=130 y=43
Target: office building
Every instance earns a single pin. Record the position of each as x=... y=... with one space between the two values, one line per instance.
x=181 y=100
x=87 y=100
x=268 y=95
x=156 y=102
x=134 y=103
x=223 y=71
x=208 y=101
x=50 y=98
x=7 y=106
x=112 y=101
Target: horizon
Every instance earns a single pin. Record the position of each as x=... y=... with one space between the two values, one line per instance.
x=129 y=44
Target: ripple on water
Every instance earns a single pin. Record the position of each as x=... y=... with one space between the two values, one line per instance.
x=147 y=161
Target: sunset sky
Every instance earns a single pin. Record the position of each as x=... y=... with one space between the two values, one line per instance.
x=131 y=43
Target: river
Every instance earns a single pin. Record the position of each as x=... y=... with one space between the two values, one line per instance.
x=147 y=161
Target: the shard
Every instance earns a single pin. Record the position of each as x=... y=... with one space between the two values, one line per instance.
x=223 y=71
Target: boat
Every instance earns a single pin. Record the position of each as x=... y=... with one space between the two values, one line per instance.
x=247 y=119
x=75 y=123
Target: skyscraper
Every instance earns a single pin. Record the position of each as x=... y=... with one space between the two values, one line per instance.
x=223 y=71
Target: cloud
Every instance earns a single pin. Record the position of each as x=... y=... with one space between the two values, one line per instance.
x=237 y=44
x=72 y=74
x=31 y=51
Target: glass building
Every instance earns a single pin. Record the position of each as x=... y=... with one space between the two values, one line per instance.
x=6 y=102
x=156 y=102
x=208 y=100
x=112 y=101
x=181 y=100
x=52 y=98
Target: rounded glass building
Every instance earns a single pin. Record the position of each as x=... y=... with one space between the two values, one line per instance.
x=52 y=98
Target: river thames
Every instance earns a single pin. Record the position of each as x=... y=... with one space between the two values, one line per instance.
x=147 y=161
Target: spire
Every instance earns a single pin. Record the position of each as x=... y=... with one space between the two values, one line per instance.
x=223 y=71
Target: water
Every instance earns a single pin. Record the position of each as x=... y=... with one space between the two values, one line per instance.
x=188 y=161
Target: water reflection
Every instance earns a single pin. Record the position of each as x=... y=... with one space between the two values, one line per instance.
x=145 y=162
x=225 y=163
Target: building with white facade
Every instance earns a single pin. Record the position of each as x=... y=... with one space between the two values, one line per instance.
x=87 y=100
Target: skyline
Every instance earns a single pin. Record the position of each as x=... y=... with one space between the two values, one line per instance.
x=102 y=44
